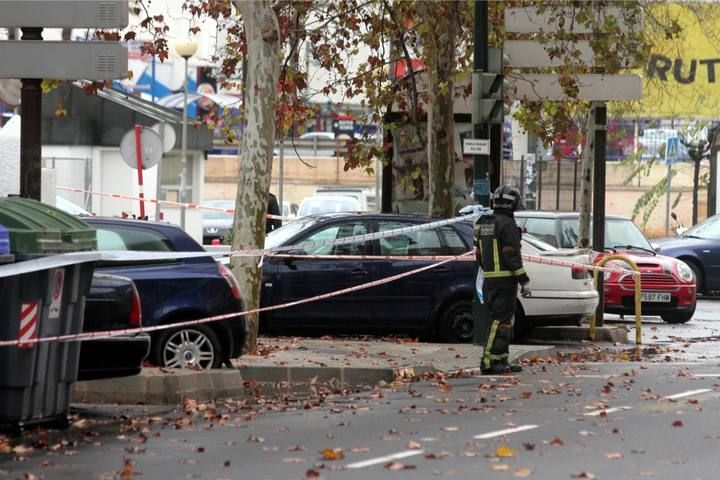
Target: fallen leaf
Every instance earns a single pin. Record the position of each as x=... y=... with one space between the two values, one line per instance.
x=529 y=446
x=451 y=429
x=677 y=423
x=227 y=463
x=584 y=475
x=557 y=441
x=613 y=455
x=504 y=451
x=255 y=439
x=526 y=395
x=638 y=450
x=414 y=446
x=522 y=472
x=294 y=460
x=499 y=467
x=445 y=388
x=360 y=450
x=332 y=454
x=128 y=470
x=312 y=474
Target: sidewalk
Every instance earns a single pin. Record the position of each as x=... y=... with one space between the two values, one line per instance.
x=298 y=364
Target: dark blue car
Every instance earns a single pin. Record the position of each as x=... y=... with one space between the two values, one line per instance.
x=699 y=247
x=176 y=290
x=434 y=302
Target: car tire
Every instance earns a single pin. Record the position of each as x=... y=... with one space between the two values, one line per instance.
x=522 y=327
x=680 y=317
x=456 y=322
x=699 y=279
x=197 y=345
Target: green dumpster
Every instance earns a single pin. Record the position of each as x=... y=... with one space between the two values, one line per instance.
x=36 y=378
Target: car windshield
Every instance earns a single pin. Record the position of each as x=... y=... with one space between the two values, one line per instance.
x=539 y=244
x=280 y=235
x=215 y=215
x=618 y=232
x=709 y=229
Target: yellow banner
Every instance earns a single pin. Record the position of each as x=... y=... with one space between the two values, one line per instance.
x=682 y=76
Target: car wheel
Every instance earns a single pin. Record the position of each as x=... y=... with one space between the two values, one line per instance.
x=196 y=347
x=456 y=323
x=699 y=280
x=522 y=326
x=681 y=317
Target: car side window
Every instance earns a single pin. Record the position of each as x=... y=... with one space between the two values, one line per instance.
x=455 y=244
x=131 y=239
x=336 y=232
x=422 y=242
x=542 y=229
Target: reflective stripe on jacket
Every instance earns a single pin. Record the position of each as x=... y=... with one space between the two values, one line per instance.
x=497 y=241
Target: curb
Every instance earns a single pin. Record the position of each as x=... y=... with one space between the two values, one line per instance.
x=579 y=334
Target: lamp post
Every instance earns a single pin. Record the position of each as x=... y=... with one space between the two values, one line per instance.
x=186 y=48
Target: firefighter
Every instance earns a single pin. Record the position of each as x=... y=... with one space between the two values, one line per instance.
x=497 y=251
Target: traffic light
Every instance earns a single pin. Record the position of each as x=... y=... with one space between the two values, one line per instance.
x=489 y=99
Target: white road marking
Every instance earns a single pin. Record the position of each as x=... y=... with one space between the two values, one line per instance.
x=596 y=413
x=689 y=393
x=386 y=458
x=499 y=433
x=706 y=374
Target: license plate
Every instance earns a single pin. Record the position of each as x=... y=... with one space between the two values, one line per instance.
x=655 y=297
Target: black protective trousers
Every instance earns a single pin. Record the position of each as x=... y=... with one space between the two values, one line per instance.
x=501 y=298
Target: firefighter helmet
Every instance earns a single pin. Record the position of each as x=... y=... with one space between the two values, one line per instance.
x=506 y=197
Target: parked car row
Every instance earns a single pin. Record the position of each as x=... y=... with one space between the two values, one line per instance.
x=435 y=303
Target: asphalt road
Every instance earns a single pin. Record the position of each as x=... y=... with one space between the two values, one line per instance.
x=568 y=420
x=595 y=413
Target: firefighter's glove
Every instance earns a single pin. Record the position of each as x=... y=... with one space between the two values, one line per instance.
x=525 y=289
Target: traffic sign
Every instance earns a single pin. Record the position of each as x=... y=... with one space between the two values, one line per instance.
x=476 y=146
x=151 y=148
x=672 y=150
x=63 y=60
x=62 y=13
x=534 y=54
x=591 y=87
x=530 y=20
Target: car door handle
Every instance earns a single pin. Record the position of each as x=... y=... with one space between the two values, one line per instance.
x=358 y=272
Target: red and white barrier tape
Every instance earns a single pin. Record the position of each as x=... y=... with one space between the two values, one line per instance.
x=131 y=331
x=156 y=201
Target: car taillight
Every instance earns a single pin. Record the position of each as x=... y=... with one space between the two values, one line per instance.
x=578 y=273
x=230 y=279
x=135 y=310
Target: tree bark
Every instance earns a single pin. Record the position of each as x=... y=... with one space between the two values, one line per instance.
x=586 y=168
x=439 y=50
x=256 y=150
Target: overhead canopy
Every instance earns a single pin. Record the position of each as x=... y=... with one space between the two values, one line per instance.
x=104 y=118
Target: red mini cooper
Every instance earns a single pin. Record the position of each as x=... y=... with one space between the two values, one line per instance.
x=668 y=284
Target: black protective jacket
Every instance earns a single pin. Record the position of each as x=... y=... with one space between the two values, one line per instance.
x=497 y=242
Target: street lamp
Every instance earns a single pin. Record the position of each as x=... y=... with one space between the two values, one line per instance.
x=186 y=48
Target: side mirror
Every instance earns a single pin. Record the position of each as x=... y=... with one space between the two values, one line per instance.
x=657 y=248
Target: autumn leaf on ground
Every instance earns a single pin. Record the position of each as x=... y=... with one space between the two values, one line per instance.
x=557 y=441
x=395 y=466
x=312 y=474
x=451 y=429
x=504 y=451
x=499 y=467
x=445 y=388
x=526 y=395
x=414 y=446
x=189 y=405
x=128 y=470
x=522 y=472
x=613 y=455
x=529 y=446
x=584 y=475
x=332 y=454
